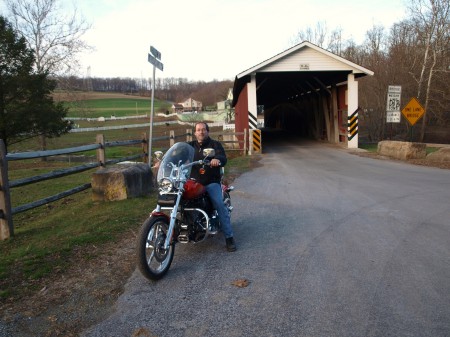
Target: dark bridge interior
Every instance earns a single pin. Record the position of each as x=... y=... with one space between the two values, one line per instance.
x=275 y=88
x=289 y=99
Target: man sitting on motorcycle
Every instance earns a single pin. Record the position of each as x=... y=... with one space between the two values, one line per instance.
x=210 y=177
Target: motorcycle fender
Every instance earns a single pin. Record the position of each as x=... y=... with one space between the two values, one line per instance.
x=160 y=214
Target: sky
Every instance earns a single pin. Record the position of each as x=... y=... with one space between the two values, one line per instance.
x=205 y=40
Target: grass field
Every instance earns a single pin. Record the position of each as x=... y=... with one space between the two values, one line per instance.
x=48 y=236
x=94 y=105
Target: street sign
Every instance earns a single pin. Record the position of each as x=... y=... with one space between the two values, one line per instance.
x=155 y=52
x=155 y=62
x=413 y=111
x=393 y=104
x=393 y=116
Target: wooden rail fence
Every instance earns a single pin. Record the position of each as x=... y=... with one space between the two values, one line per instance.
x=6 y=209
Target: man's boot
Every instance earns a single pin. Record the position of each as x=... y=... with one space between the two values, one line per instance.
x=231 y=246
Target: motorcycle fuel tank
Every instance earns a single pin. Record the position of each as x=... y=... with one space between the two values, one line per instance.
x=193 y=189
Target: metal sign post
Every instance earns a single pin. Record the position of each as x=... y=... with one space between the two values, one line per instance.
x=153 y=58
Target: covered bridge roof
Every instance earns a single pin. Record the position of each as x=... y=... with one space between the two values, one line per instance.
x=302 y=68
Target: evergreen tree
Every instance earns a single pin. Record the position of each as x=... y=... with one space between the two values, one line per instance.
x=27 y=108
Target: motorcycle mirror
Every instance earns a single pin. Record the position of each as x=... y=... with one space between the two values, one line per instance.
x=159 y=155
x=209 y=152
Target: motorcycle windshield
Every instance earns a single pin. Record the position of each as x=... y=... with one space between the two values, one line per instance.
x=178 y=154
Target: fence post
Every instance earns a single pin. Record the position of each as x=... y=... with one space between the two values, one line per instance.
x=245 y=141
x=6 y=222
x=172 y=137
x=101 y=157
x=145 y=148
x=189 y=135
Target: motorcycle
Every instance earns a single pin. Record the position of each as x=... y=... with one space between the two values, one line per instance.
x=183 y=214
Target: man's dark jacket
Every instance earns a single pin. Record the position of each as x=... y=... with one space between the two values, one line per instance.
x=212 y=174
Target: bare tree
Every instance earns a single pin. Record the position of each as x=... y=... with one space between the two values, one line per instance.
x=316 y=35
x=54 y=35
x=431 y=19
x=320 y=36
x=353 y=52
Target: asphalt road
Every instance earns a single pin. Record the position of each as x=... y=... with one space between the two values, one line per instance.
x=332 y=244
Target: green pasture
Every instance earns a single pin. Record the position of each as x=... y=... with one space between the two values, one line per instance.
x=119 y=103
x=119 y=107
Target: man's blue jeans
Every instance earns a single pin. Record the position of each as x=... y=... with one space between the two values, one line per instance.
x=215 y=193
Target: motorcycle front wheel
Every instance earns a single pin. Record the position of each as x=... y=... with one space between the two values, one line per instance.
x=153 y=260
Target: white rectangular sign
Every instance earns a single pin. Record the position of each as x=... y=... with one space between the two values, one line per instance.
x=393 y=116
x=395 y=88
x=393 y=104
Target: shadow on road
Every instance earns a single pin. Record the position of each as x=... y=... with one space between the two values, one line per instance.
x=274 y=140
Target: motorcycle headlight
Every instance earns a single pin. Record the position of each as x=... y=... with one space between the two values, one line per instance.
x=165 y=185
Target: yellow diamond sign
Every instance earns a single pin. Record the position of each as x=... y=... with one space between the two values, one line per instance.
x=413 y=111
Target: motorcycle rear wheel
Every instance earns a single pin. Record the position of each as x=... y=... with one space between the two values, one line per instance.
x=153 y=260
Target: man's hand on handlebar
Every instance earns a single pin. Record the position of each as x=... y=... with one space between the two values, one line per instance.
x=215 y=162
x=211 y=163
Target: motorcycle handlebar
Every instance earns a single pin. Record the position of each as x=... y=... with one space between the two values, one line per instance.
x=208 y=162
x=199 y=162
